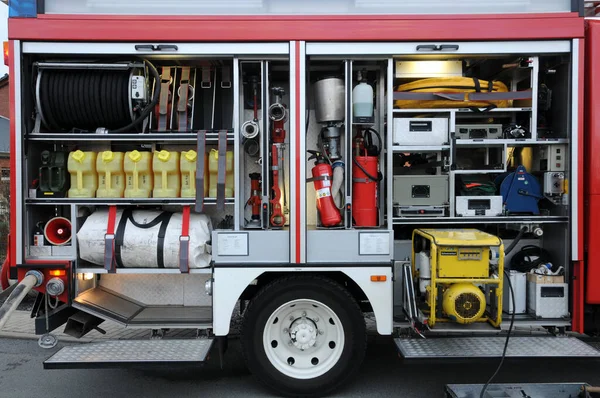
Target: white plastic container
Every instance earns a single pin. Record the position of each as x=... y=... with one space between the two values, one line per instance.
x=362 y=102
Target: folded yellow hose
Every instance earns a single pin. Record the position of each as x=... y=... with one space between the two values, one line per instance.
x=450 y=85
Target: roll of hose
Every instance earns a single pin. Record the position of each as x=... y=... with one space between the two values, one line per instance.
x=88 y=99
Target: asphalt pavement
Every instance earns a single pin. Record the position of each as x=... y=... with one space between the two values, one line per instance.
x=383 y=374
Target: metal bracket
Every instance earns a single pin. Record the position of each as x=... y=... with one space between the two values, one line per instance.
x=109 y=252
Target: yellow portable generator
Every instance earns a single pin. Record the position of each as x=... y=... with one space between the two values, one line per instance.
x=460 y=275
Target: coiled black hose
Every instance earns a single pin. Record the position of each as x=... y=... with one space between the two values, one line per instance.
x=90 y=98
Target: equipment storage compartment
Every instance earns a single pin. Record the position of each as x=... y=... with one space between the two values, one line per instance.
x=263 y=178
x=347 y=141
x=165 y=145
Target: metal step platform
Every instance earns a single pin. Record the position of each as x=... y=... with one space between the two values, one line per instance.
x=490 y=347
x=546 y=390
x=122 y=353
x=107 y=304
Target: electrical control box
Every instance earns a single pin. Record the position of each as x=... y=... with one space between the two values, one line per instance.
x=463 y=262
x=421 y=131
x=478 y=131
x=420 y=190
x=474 y=206
x=554 y=183
x=138 y=88
x=550 y=158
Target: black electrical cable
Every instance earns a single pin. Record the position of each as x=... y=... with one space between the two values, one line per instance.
x=513 y=244
x=529 y=257
x=510 y=328
x=91 y=98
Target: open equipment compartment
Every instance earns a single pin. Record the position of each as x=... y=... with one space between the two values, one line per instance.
x=144 y=164
x=505 y=156
x=347 y=145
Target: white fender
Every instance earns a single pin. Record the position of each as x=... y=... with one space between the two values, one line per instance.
x=229 y=283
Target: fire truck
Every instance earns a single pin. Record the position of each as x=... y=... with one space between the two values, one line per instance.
x=429 y=166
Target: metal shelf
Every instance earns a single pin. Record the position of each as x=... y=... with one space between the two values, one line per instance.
x=510 y=142
x=99 y=270
x=123 y=201
x=480 y=220
x=488 y=171
x=139 y=137
x=420 y=148
x=460 y=110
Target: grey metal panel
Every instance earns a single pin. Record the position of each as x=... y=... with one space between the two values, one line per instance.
x=485 y=347
x=196 y=49
x=264 y=247
x=342 y=246
x=159 y=289
x=109 y=304
x=399 y=48
x=129 y=352
x=574 y=191
x=173 y=314
x=546 y=390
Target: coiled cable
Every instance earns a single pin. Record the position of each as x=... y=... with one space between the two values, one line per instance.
x=89 y=99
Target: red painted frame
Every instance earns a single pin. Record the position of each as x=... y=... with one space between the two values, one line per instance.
x=592 y=164
x=311 y=28
x=307 y=28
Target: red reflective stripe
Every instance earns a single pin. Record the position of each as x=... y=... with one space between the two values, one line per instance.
x=112 y=217
x=185 y=222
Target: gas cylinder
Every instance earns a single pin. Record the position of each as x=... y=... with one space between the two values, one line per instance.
x=322 y=175
x=364 y=190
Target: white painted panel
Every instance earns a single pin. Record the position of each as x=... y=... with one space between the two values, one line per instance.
x=306 y=7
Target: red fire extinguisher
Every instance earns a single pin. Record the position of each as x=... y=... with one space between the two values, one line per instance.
x=365 y=179
x=322 y=175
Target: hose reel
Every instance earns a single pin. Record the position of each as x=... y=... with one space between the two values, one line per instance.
x=94 y=97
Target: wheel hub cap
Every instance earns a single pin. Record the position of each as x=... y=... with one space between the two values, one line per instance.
x=303 y=334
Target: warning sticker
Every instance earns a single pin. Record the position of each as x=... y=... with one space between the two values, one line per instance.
x=323 y=193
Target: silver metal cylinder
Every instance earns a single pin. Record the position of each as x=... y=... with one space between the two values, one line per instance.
x=329 y=100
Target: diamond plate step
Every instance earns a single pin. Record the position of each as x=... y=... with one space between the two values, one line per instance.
x=546 y=390
x=121 y=353
x=489 y=347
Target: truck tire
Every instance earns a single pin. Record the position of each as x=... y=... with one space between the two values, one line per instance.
x=304 y=336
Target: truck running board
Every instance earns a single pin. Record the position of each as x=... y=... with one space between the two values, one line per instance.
x=490 y=347
x=122 y=353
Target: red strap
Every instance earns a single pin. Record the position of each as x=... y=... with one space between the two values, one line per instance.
x=109 y=240
x=184 y=241
x=185 y=222
x=112 y=217
x=472 y=185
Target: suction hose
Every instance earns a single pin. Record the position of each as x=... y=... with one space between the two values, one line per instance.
x=338 y=182
x=31 y=280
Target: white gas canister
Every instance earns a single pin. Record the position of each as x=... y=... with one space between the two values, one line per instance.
x=362 y=102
